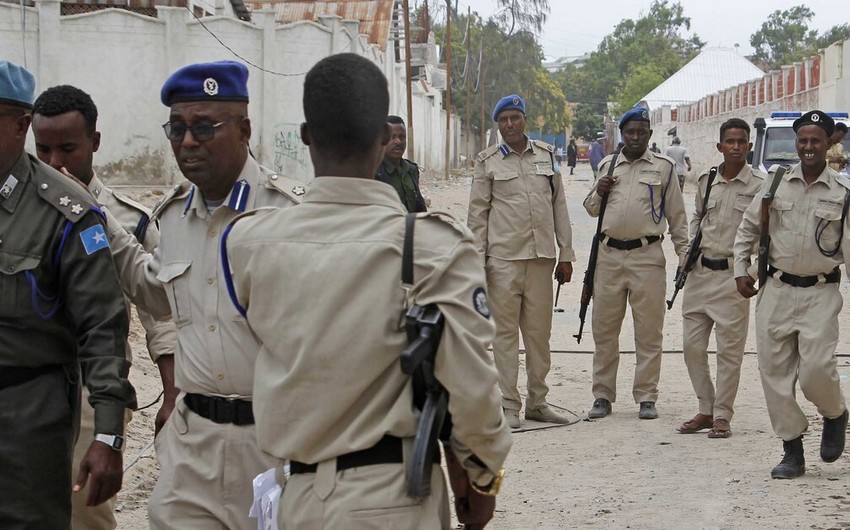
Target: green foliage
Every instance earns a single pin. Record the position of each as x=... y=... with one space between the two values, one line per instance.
x=835 y=34
x=521 y=15
x=784 y=37
x=644 y=79
x=587 y=121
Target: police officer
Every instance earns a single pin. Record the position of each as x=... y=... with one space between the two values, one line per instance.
x=207 y=449
x=65 y=129
x=61 y=312
x=631 y=264
x=798 y=306
x=518 y=214
x=399 y=172
x=330 y=396
x=711 y=299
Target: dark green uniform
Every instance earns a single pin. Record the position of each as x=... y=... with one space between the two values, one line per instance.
x=61 y=314
x=405 y=179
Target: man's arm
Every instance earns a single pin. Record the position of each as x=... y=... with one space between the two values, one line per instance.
x=674 y=211
x=479 y=206
x=698 y=212
x=593 y=201
x=563 y=230
x=746 y=239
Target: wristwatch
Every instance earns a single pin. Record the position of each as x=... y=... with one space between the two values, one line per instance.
x=112 y=440
x=492 y=489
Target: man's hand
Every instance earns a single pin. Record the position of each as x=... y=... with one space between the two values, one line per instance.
x=605 y=184
x=564 y=272
x=473 y=510
x=165 y=363
x=163 y=414
x=102 y=465
x=746 y=286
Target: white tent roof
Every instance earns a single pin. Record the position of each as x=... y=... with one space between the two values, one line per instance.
x=711 y=71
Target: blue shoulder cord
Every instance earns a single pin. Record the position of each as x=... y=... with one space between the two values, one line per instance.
x=228 y=276
x=37 y=297
x=657 y=216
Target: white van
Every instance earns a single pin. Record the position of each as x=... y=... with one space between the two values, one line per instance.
x=779 y=143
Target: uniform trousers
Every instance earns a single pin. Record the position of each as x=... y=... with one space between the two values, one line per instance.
x=37 y=430
x=207 y=469
x=361 y=498
x=637 y=277
x=100 y=517
x=520 y=297
x=796 y=335
x=711 y=300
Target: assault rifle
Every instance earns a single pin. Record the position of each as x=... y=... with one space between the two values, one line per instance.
x=694 y=250
x=764 y=224
x=590 y=273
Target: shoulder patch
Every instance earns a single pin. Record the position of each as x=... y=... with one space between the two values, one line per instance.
x=94 y=239
x=180 y=191
x=70 y=198
x=293 y=189
x=479 y=302
x=543 y=145
x=487 y=153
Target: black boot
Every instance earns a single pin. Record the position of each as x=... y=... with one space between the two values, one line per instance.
x=793 y=464
x=832 y=439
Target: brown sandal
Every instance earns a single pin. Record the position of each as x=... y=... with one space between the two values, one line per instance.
x=696 y=424
x=720 y=429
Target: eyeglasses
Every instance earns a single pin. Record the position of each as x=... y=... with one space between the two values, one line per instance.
x=201 y=132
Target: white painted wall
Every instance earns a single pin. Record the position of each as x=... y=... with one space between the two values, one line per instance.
x=122 y=60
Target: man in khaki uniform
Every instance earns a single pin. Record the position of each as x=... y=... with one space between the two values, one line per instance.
x=330 y=395
x=65 y=130
x=62 y=316
x=207 y=450
x=631 y=263
x=835 y=155
x=798 y=305
x=711 y=298
x=518 y=214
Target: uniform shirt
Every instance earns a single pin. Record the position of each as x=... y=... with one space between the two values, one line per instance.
x=405 y=179
x=517 y=208
x=678 y=154
x=328 y=375
x=215 y=348
x=60 y=300
x=797 y=212
x=636 y=202
x=160 y=335
x=837 y=150
x=725 y=208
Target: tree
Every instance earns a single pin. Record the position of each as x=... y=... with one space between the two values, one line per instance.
x=521 y=15
x=785 y=38
x=587 y=121
x=833 y=35
x=644 y=79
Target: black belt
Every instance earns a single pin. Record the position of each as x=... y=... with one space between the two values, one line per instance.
x=629 y=244
x=18 y=375
x=221 y=410
x=805 y=281
x=388 y=450
x=721 y=264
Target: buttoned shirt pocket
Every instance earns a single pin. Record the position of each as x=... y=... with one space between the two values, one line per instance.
x=175 y=277
x=711 y=210
x=505 y=184
x=743 y=201
x=783 y=211
x=541 y=183
x=15 y=292
x=828 y=227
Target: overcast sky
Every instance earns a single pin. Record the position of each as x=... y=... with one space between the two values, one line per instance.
x=575 y=27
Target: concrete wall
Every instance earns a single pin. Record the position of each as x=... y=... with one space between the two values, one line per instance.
x=818 y=82
x=122 y=59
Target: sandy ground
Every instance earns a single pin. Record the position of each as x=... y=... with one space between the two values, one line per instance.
x=618 y=472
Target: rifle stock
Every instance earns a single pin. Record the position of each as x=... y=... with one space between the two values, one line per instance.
x=590 y=273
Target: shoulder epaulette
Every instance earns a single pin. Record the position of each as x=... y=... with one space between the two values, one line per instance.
x=487 y=153
x=180 y=191
x=844 y=181
x=759 y=174
x=62 y=193
x=447 y=219
x=663 y=157
x=293 y=189
x=543 y=145
x=127 y=201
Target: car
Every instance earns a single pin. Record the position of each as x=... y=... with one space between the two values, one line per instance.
x=778 y=145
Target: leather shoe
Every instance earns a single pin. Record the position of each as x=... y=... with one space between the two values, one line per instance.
x=513 y=418
x=601 y=408
x=545 y=414
x=647 y=410
x=832 y=439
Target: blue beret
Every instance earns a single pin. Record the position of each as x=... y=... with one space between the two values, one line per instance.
x=636 y=114
x=219 y=81
x=816 y=117
x=17 y=85
x=512 y=102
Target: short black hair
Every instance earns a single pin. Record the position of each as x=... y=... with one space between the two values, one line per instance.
x=66 y=98
x=734 y=123
x=346 y=102
x=395 y=120
x=840 y=126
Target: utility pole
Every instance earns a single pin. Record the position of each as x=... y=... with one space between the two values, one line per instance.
x=466 y=81
x=448 y=86
x=409 y=76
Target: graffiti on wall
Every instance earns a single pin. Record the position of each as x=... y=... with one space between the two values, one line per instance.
x=288 y=148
